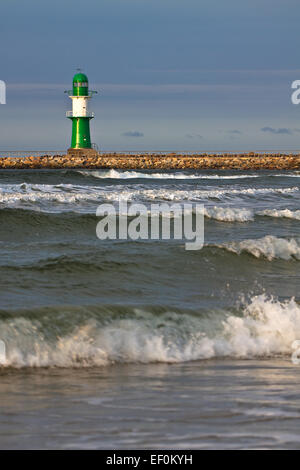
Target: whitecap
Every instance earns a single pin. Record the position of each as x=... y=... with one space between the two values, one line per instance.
x=268 y=247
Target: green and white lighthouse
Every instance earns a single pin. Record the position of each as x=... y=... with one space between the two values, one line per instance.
x=80 y=115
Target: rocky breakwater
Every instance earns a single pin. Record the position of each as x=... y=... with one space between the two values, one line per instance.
x=245 y=161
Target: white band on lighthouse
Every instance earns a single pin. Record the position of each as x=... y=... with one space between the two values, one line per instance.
x=80 y=106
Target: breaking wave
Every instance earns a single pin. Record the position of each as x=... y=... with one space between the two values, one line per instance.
x=285 y=213
x=94 y=336
x=235 y=214
x=131 y=174
x=76 y=195
x=229 y=214
x=268 y=247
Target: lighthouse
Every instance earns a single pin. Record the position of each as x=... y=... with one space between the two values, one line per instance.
x=80 y=116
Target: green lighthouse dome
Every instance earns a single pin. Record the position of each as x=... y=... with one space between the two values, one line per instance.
x=80 y=84
x=80 y=77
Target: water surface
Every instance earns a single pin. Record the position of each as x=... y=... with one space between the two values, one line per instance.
x=142 y=344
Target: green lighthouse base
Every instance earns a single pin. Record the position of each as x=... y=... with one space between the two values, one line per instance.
x=82 y=153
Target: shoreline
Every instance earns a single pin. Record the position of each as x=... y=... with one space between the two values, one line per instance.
x=245 y=161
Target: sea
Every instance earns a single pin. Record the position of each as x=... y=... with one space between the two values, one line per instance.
x=143 y=344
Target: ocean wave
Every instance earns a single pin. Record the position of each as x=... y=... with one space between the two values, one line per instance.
x=235 y=214
x=39 y=194
x=71 y=264
x=296 y=174
x=70 y=216
x=131 y=174
x=62 y=194
x=223 y=214
x=82 y=222
x=74 y=218
x=285 y=213
x=198 y=195
x=85 y=337
x=229 y=214
x=268 y=247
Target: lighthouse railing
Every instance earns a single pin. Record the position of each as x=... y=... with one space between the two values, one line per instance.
x=88 y=114
x=90 y=94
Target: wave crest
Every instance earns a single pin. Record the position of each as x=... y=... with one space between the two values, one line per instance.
x=284 y=213
x=123 y=174
x=39 y=196
x=269 y=247
x=264 y=327
x=229 y=214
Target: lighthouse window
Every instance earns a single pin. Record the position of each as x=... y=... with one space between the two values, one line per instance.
x=80 y=84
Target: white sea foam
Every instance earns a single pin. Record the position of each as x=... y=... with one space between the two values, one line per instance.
x=235 y=214
x=35 y=195
x=265 y=327
x=119 y=174
x=178 y=195
x=268 y=247
x=131 y=174
x=229 y=214
x=223 y=214
x=285 y=213
x=296 y=174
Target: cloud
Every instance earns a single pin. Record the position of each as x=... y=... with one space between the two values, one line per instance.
x=234 y=131
x=194 y=136
x=133 y=134
x=280 y=130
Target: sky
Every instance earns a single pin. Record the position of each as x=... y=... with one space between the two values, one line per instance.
x=182 y=75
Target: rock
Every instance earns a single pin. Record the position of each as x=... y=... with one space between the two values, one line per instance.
x=250 y=161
